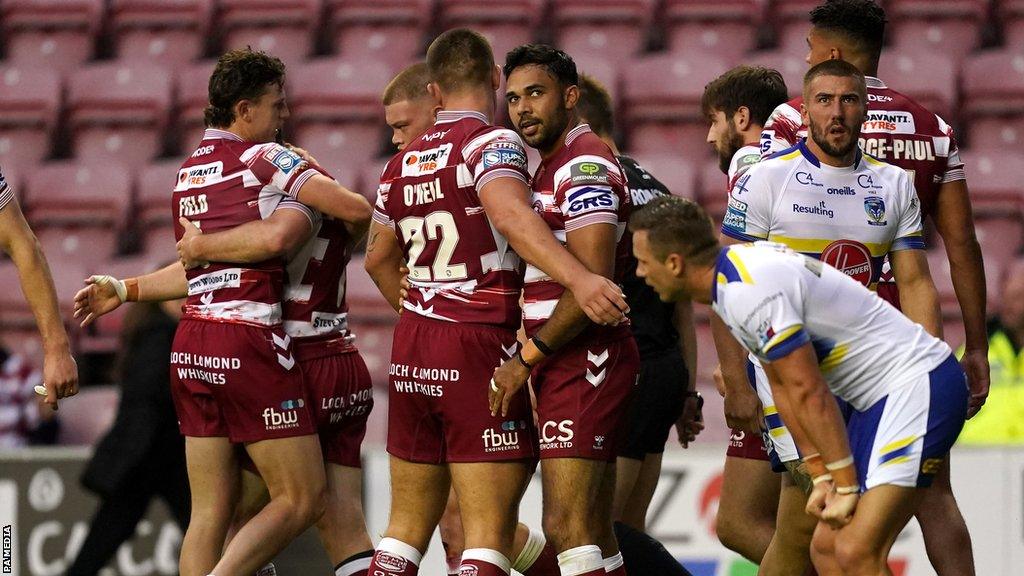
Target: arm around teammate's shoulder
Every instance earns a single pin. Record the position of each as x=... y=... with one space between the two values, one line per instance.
x=333 y=199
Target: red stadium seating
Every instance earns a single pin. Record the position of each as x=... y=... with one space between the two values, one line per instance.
x=661 y=101
x=284 y=28
x=674 y=171
x=791 y=20
x=927 y=77
x=389 y=31
x=1010 y=13
x=505 y=24
x=714 y=188
x=166 y=32
x=79 y=210
x=14 y=310
x=993 y=87
x=790 y=66
x=954 y=37
x=601 y=70
x=995 y=181
x=938 y=265
x=614 y=30
x=52 y=34
x=1001 y=238
x=119 y=111
x=192 y=97
x=104 y=334
x=336 y=106
x=153 y=198
x=724 y=28
x=30 y=99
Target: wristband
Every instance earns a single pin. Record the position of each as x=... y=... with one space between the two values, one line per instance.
x=815 y=467
x=823 y=478
x=519 y=356
x=839 y=464
x=131 y=286
x=544 y=348
x=847 y=490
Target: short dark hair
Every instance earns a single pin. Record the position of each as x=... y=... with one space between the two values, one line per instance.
x=459 y=59
x=676 y=225
x=409 y=84
x=840 y=68
x=862 y=22
x=595 y=106
x=559 y=64
x=239 y=75
x=760 y=89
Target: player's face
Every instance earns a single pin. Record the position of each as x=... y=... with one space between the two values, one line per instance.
x=408 y=119
x=537 y=106
x=268 y=114
x=834 y=109
x=652 y=269
x=818 y=48
x=724 y=138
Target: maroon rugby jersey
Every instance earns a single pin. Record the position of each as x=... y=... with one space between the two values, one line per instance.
x=460 y=268
x=225 y=183
x=582 y=184
x=897 y=131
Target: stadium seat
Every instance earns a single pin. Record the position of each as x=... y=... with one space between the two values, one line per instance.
x=996 y=132
x=14 y=310
x=1001 y=237
x=389 y=31
x=336 y=107
x=153 y=195
x=600 y=69
x=995 y=181
x=158 y=242
x=504 y=24
x=791 y=21
x=104 y=335
x=614 y=30
x=30 y=99
x=993 y=90
x=674 y=171
x=938 y=265
x=928 y=77
x=726 y=28
x=285 y=28
x=1010 y=14
x=192 y=96
x=661 y=102
x=118 y=112
x=55 y=35
x=955 y=36
x=170 y=33
x=79 y=210
x=790 y=66
x=713 y=189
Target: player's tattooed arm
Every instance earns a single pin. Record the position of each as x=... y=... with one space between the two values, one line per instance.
x=384 y=263
x=280 y=234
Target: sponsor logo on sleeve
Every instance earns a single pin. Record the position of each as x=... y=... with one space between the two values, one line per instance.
x=282 y=158
x=422 y=162
x=504 y=153
x=875 y=209
x=588 y=173
x=741 y=185
x=736 y=215
x=589 y=199
x=747 y=160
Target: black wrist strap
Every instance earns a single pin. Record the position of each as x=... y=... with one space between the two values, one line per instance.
x=519 y=356
x=544 y=348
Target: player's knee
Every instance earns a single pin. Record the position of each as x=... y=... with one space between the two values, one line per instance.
x=822 y=546
x=731 y=532
x=857 y=556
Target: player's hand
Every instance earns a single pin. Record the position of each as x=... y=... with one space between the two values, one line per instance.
x=508 y=379
x=186 y=246
x=302 y=153
x=97 y=298
x=719 y=380
x=60 y=375
x=403 y=287
x=600 y=298
x=816 y=499
x=839 y=509
x=691 y=421
x=975 y=364
x=743 y=411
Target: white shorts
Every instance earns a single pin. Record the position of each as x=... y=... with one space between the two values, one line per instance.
x=781 y=441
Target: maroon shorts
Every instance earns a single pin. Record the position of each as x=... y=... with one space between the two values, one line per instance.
x=583 y=393
x=238 y=381
x=747 y=445
x=437 y=395
x=340 y=392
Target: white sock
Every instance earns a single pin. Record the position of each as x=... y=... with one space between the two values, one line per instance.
x=580 y=560
x=399 y=548
x=535 y=543
x=487 y=555
x=613 y=563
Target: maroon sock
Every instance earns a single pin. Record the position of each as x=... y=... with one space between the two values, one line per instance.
x=546 y=564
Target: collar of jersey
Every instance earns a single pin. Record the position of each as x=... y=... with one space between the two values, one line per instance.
x=576 y=132
x=810 y=157
x=722 y=256
x=873 y=82
x=445 y=116
x=211 y=133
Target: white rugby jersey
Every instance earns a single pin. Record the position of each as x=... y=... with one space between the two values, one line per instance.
x=848 y=217
x=742 y=160
x=775 y=301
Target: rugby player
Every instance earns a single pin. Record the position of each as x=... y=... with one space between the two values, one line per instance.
x=409 y=111
x=666 y=391
x=737 y=104
x=582 y=374
x=819 y=332
x=60 y=372
x=902 y=132
x=314 y=312
x=454 y=205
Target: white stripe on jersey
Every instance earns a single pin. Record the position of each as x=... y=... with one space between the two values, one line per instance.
x=540 y=310
x=258 y=313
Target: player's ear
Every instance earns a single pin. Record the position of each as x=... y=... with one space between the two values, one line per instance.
x=435 y=92
x=243 y=110
x=675 y=264
x=804 y=116
x=496 y=78
x=571 y=95
x=741 y=118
